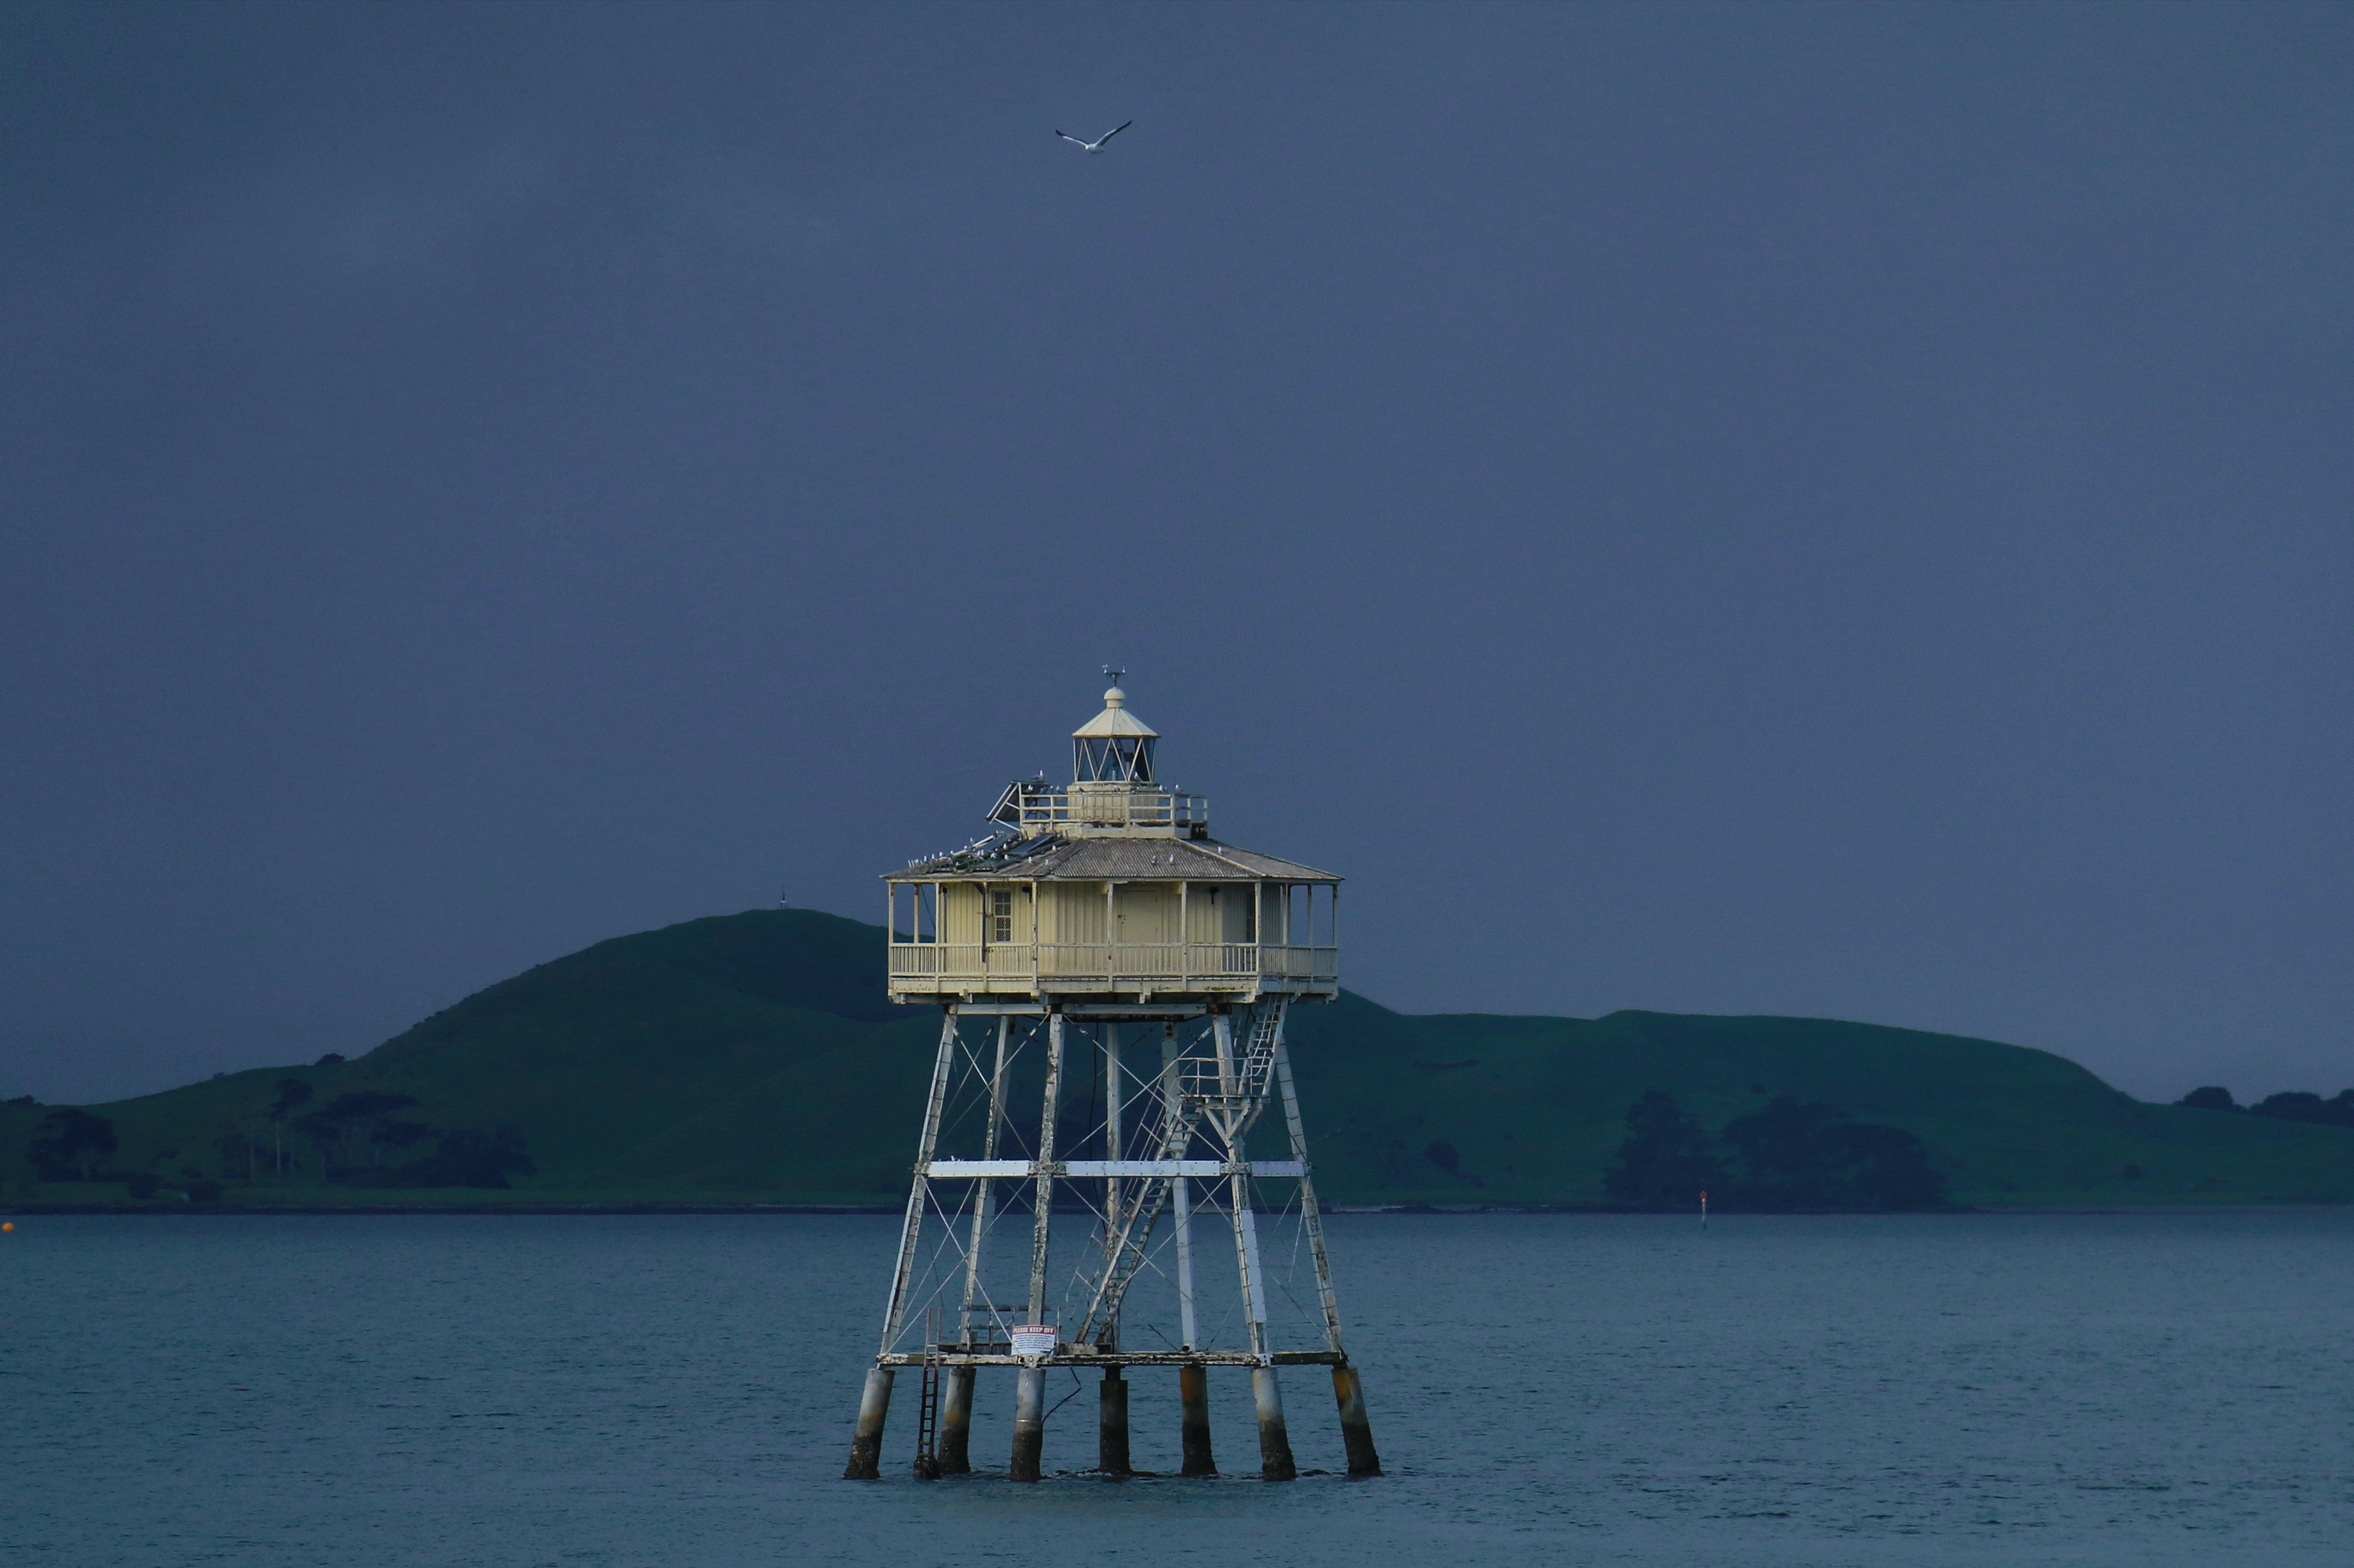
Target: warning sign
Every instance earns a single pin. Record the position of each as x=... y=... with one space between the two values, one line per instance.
x=1033 y=1339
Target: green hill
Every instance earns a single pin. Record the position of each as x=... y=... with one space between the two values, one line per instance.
x=749 y=1059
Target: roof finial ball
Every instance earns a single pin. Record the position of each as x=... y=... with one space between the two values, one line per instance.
x=1115 y=697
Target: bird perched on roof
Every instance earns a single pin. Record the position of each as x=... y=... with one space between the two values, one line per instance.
x=1098 y=144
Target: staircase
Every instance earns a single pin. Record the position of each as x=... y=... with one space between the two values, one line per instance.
x=1232 y=1096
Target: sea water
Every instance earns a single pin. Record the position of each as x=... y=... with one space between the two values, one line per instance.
x=2127 y=1389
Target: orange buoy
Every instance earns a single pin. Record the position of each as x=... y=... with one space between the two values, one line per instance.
x=8 y=1224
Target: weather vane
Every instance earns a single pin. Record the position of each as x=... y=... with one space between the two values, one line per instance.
x=1114 y=674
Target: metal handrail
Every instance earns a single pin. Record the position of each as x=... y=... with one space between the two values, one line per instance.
x=1044 y=811
x=1139 y=960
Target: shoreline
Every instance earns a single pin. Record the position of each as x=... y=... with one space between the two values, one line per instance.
x=886 y=1210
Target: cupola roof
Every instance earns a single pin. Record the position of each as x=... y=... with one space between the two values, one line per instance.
x=1115 y=720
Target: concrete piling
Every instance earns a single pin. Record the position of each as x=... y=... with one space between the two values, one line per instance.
x=955 y=1422
x=1112 y=1440
x=866 y=1443
x=1029 y=1421
x=1274 y=1439
x=1356 y=1432
x=1193 y=1395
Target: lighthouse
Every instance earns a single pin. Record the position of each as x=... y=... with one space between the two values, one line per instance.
x=1113 y=982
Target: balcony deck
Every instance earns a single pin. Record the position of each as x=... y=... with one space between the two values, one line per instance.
x=1226 y=971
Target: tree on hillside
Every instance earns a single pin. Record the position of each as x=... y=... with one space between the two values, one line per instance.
x=2214 y=1096
x=1814 y=1156
x=2302 y=1104
x=471 y=1158
x=70 y=1139
x=464 y=1157
x=1887 y=1168
x=1785 y=1154
x=396 y=1135
x=293 y=1093
x=353 y=1122
x=235 y=1146
x=1667 y=1157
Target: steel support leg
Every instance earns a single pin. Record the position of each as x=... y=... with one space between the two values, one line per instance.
x=1042 y=1200
x=955 y=1422
x=1111 y=1442
x=866 y=1443
x=875 y=1399
x=1274 y=1441
x=926 y=1145
x=1029 y=1421
x=1193 y=1394
x=1181 y=1198
x=984 y=1192
x=1356 y=1432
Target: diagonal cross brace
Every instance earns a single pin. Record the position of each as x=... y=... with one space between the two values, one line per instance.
x=1246 y=1086
x=1179 y=1117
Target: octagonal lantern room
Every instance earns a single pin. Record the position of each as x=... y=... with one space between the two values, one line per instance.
x=1113 y=747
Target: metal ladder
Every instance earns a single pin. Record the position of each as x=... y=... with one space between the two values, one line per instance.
x=928 y=1405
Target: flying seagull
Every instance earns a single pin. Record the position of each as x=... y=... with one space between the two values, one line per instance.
x=1097 y=145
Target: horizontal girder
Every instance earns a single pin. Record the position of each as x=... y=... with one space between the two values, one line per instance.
x=1087 y=1356
x=949 y=1169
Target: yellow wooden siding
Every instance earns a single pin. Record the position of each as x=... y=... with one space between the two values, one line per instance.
x=959 y=912
x=1201 y=913
x=1148 y=912
x=1075 y=912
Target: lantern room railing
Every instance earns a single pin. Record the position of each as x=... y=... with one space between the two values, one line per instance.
x=1046 y=810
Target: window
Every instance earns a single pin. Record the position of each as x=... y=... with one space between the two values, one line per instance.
x=1000 y=917
x=1113 y=759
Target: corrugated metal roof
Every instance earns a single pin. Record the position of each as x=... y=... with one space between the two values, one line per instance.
x=1128 y=859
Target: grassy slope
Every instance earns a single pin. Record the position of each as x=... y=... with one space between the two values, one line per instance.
x=739 y=1058
x=1538 y=1117
x=746 y=1058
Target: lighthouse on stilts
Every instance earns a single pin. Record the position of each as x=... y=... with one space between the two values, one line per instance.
x=1113 y=985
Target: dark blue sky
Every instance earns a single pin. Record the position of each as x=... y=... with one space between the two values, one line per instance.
x=1836 y=509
